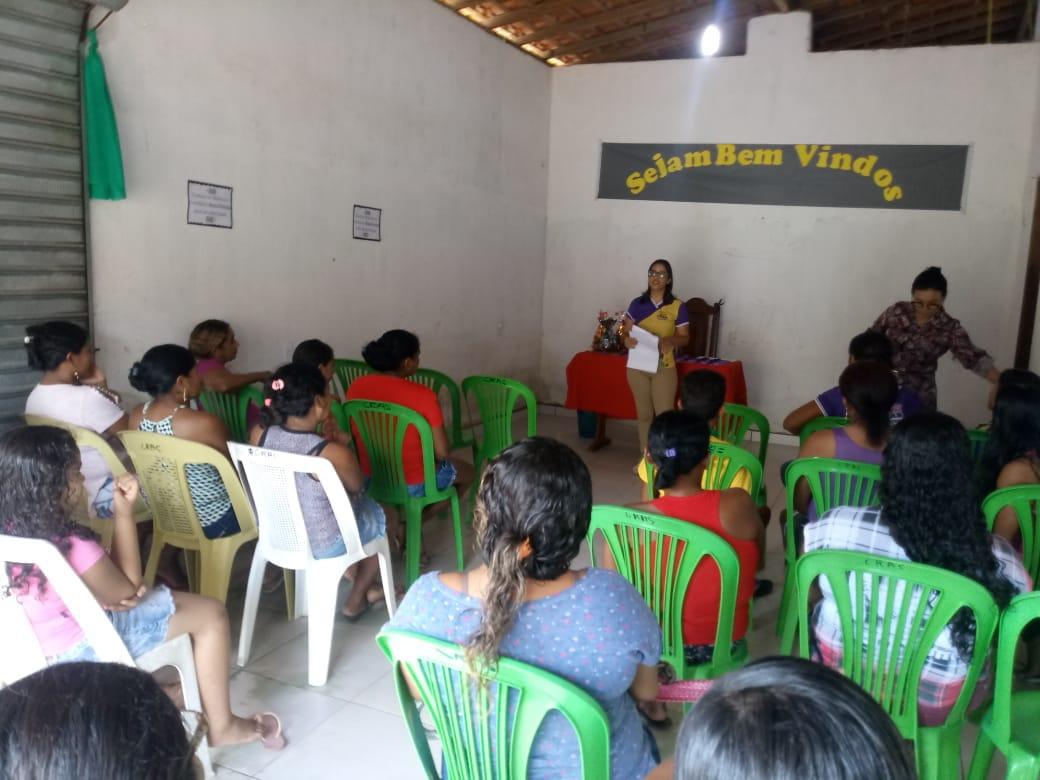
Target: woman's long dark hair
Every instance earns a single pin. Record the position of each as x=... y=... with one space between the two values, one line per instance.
x=1015 y=432
x=931 y=507
x=678 y=443
x=870 y=388
x=789 y=719
x=298 y=385
x=668 y=297
x=92 y=720
x=35 y=461
x=537 y=490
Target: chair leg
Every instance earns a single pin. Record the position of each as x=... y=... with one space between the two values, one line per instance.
x=413 y=543
x=192 y=562
x=252 y=603
x=1022 y=766
x=152 y=567
x=322 y=594
x=290 y=593
x=939 y=752
x=386 y=573
x=215 y=562
x=982 y=757
x=785 y=605
x=456 y=517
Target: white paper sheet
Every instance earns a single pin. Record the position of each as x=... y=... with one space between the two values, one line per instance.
x=645 y=355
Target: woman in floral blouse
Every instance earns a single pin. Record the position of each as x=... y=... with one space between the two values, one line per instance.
x=921 y=332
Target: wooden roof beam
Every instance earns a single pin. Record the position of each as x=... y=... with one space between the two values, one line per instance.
x=664 y=43
x=528 y=12
x=924 y=31
x=605 y=17
x=890 y=27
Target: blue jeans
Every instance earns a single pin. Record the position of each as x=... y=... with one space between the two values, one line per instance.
x=445 y=476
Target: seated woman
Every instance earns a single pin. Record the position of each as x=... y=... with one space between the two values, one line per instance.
x=214 y=345
x=929 y=514
x=88 y=719
x=1012 y=452
x=869 y=345
x=787 y=717
x=319 y=355
x=167 y=373
x=73 y=389
x=869 y=389
x=395 y=356
x=588 y=626
x=295 y=405
x=678 y=444
x=40 y=472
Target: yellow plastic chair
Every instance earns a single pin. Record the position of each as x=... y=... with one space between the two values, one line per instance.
x=159 y=461
x=87 y=438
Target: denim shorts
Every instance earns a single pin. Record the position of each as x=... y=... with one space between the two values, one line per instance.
x=371 y=524
x=446 y=475
x=142 y=628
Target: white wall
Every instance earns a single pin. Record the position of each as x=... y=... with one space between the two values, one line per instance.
x=307 y=108
x=798 y=282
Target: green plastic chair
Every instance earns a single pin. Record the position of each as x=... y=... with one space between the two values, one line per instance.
x=496 y=399
x=737 y=421
x=832 y=483
x=486 y=727
x=1025 y=499
x=437 y=381
x=347 y=371
x=977 y=439
x=233 y=409
x=896 y=637
x=641 y=544
x=820 y=424
x=725 y=462
x=1010 y=722
x=381 y=428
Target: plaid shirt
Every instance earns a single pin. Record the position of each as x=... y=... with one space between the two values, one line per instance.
x=861 y=529
x=919 y=347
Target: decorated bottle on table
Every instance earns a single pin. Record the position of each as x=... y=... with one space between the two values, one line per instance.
x=608 y=336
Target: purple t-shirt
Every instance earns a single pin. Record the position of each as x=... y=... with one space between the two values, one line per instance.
x=595 y=634
x=907 y=404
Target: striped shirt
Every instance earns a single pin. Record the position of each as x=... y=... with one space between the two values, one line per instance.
x=861 y=529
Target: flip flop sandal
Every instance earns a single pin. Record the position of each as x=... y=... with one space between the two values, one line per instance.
x=357 y=615
x=269 y=726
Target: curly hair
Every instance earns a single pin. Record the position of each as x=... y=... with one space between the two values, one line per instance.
x=298 y=385
x=35 y=461
x=930 y=505
x=1015 y=432
x=207 y=336
x=678 y=443
x=539 y=491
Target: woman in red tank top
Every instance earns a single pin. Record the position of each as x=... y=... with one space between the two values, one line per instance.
x=678 y=447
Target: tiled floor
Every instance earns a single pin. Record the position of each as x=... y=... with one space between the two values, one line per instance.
x=351 y=727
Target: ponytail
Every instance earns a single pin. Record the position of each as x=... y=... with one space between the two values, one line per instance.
x=870 y=388
x=678 y=443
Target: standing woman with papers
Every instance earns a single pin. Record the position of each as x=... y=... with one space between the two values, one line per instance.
x=657 y=313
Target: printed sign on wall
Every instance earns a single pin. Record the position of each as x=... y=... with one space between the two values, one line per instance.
x=851 y=176
x=209 y=204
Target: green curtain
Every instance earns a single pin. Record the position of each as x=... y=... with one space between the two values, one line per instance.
x=104 y=160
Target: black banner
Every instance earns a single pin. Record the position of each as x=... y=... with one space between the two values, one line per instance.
x=850 y=176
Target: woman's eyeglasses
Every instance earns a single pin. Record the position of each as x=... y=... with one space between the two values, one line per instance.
x=657 y=274
x=922 y=306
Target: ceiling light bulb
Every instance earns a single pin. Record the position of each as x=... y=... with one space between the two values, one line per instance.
x=711 y=40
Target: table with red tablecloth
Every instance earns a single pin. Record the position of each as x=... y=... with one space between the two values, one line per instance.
x=596 y=382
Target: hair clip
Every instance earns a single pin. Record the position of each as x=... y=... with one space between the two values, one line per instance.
x=28 y=339
x=267 y=402
x=278 y=384
x=670 y=452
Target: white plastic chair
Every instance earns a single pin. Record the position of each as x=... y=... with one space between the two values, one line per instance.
x=20 y=652
x=269 y=477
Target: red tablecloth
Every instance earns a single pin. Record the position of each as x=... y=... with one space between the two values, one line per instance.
x=596 y=382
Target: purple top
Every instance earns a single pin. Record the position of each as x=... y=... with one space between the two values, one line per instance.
x=846 y=449
x=907 y=404
x=639 y=310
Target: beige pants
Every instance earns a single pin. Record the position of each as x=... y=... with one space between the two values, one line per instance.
x=653 y=394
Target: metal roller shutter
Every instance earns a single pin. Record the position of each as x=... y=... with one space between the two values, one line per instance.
x=43 y=264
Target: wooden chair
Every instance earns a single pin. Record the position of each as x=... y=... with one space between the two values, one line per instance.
x=704 y=328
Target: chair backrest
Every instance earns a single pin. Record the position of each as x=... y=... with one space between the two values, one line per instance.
x=833 y=482
x=269 y=479
x=725 y=461
x=437 y=381
x=85 y=437
x=347 y=371
x=159 y=462
x=820 y=424
x=891 y=613
x=977 y=440
x=1025 y=500
x=233 y=409
x=1023 y=610
x=380 y=427
x=20 y=652
x=487 y=730
x=705 y=319
x=658 y=556
x=736 y=422
x=496 y=399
